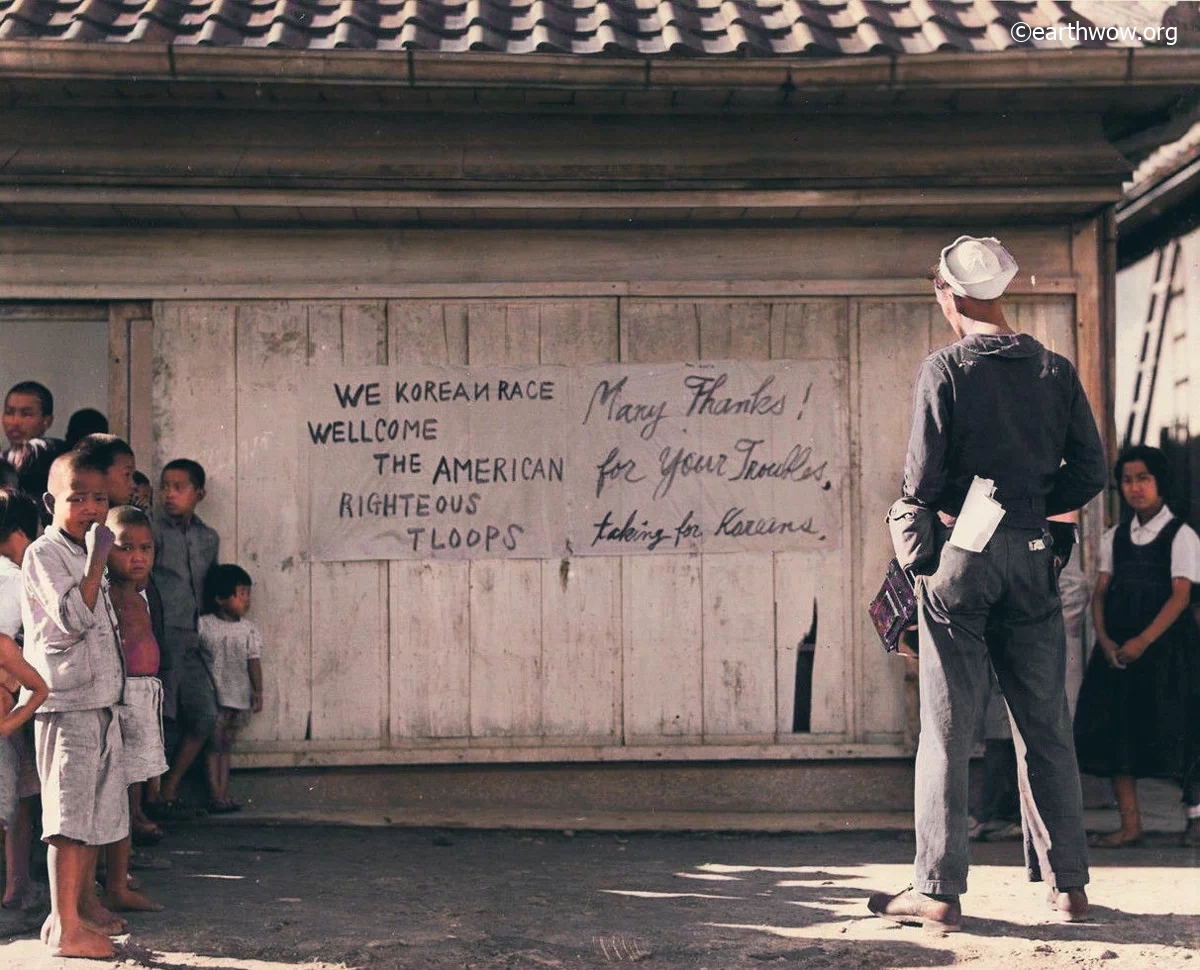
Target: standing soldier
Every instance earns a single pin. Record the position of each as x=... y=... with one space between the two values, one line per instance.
x=993 y=405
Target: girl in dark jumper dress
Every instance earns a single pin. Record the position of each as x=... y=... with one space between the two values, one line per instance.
x=1137 y=715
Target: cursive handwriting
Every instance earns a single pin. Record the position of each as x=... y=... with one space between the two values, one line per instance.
x=705 y=400
x=647 y=415
x=736 y=523
x=796 y=467
x=614 y=468
x=608 y=531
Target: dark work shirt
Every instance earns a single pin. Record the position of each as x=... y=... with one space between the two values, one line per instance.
x=1003 y=407
x=182 y=558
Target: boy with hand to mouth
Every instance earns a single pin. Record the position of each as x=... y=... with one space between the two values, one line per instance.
x=71 y=641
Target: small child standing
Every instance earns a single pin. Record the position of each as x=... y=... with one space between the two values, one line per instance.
x=71 y=641
x=20 y=524
x=129 y=565
x=185 y=549
x=231 y=646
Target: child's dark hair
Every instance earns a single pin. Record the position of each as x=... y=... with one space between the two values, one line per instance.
x=139 y=478
x=78 y=461
x=1154 y=460
x=9 y=477
x=84 y=422
x=40 y=391
x=18 y=513
x=125 y=515
x=102 y=449
x=222 y=582
x=194 y=470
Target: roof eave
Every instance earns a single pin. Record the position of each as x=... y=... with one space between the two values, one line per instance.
x=1023 y=69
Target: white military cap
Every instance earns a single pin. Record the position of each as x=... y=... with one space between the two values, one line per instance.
x=978 y=268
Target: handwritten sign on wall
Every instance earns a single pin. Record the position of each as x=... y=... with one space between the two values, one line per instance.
x=542 y=462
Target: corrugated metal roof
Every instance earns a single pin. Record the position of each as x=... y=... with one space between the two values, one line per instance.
x=749 y=28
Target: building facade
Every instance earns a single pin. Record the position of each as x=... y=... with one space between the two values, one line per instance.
x=240 y=219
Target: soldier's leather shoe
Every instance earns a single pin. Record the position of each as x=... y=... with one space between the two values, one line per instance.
x=910 y=906
x=1070 y=905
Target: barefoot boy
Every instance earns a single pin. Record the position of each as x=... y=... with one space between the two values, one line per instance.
x=71 y=641
x=232 y=647
x=185 y=549
x=140 y=715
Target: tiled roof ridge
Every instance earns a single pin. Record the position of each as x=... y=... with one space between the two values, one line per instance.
x=1166 y=161
x=613 y=27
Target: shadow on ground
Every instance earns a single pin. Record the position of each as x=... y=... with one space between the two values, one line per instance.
x=301 y=898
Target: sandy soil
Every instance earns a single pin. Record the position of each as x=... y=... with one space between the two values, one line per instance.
x=304 y=898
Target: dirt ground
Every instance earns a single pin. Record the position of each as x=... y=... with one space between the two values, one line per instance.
x=316 y=898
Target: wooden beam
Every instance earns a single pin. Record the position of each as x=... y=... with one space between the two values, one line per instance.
x=1107 y=68
x=61 y=311
x=518 y=202
x=317 y=289
x=340 y=754
x=257 y=264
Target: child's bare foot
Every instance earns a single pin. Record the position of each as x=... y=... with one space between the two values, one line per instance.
x=77 y=940
x=101 y=919
x=1119 y=839
x=127 y=900
x=23 y=897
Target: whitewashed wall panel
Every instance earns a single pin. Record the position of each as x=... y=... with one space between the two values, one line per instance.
x=581 y=597
x=597 y=651
x=349 y=601
x=808 y=582
x=662 y=619
x=893 y=338
x=429 y=614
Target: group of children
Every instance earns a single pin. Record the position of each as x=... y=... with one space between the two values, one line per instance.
x=121 y=639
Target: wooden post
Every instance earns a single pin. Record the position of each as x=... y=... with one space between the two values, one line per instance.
x=130 y=376
x=118 y=368
x=1092 y=259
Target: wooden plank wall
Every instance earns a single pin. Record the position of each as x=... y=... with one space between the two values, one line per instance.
x=598 y=651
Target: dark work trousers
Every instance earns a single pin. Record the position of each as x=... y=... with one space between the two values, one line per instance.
x=1013 y=586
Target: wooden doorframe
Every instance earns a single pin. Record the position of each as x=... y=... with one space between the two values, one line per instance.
x=1093 y=260
x=131 y=376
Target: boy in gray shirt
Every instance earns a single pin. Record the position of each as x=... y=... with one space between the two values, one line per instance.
x=71 y=640
x=185 y=549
